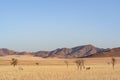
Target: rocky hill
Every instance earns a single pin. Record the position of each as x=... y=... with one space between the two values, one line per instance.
x=5 y=51
x=115 y=52
x=79 y=51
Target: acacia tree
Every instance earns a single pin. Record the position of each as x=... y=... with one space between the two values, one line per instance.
x=14 y=62
x=113 y=61
x=80 y=64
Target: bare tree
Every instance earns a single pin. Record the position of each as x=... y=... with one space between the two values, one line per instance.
x=80 y=64
x=67 y=64
x=113 y=61
x=14 y=62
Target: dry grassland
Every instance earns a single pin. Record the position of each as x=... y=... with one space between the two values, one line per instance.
x=55 y=69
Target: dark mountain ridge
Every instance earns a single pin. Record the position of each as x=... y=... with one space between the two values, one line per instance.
x=75 y=52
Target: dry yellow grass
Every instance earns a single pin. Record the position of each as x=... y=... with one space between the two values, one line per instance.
x=55 y=69
x=97 y=72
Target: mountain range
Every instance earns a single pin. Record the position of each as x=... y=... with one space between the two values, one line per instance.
x=75 y=52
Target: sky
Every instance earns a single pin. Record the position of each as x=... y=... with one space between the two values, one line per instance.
x=33 y=25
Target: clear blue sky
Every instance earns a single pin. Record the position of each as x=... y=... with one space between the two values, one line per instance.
x=34 y=25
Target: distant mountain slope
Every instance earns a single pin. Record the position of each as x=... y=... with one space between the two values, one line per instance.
x=79 y=51
x=115 y=52
x=5 y=51
x=75 y=52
